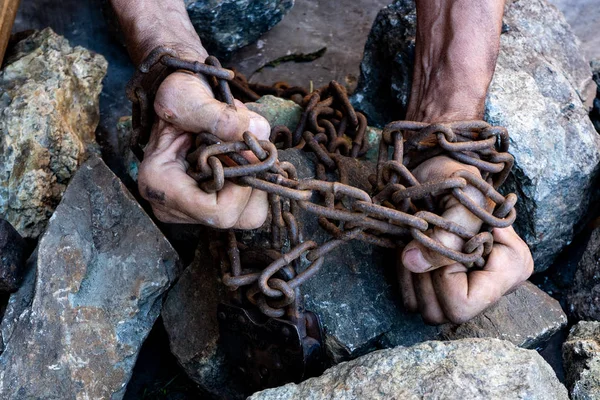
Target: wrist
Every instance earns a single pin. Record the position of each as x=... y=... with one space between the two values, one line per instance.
x=444 y=98
x=150 y=24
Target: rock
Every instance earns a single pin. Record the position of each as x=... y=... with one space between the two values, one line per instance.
x=132 y=164
x=49 y=105
x=465 y=369
x=584 y=18
x=581 y=356
x=12 y=257
x=354 y=294
x=277 y=111
x=227 y=25
x=584 y=297
x=595 y=113
x=537 y=93
x=96 y=285
x=190 y=319
x=528 y=318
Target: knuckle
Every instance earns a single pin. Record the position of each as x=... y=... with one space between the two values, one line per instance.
x=410 y=305
x=432 y=318
x=459 y=316
x=225 y=220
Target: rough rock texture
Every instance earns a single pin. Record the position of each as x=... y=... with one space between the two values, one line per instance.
x=581 y=356
x=528 y=317
x=540 y=81
x=277 y=111
x=12 y=257
x=190 y=318
x=227 y=25
x=584 y=298
x=49 y=107
x=465 y=369
x=584 y=18
x=356 y=297
x=75 y=327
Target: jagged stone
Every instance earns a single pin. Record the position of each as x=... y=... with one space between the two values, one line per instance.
x=527 y=317
x=539 y=87
x=354 y=293
x=581 y=357
x=190 y=319
x=12 y=257
x=94 y=291
x=227 y=25
x=584 y=297
x=49 y=105
x=463 y=369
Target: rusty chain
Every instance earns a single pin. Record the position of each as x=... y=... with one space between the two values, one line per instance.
x=399 y=209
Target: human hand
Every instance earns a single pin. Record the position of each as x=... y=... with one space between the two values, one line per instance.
x=443 y=290
x=185 y=104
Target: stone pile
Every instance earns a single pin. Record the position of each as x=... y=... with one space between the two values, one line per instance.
x=103 y=272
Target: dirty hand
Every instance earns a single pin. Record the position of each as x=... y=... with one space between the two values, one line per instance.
x=185 y=104
x=443 y=290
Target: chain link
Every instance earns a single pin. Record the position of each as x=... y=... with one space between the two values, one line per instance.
x=399 y=209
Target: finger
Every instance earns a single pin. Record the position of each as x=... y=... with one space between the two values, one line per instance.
x=407 y=290
x=464 y=294
x=164 y=182
x=260 y=128
x=417 y=257
x=429 y=306
x=255 y=213
x=187 y=102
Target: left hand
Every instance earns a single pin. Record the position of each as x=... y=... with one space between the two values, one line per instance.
x=446 y=291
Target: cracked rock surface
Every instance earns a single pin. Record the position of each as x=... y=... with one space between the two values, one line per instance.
x=463 y=369
x=581 y=357
x=49 y=106
x=227 y=25
x=93 y=292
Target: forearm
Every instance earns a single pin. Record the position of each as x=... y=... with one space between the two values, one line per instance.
x=147 y=24
x=457 y=46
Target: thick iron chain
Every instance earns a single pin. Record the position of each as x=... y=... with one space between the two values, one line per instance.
x=399 y=209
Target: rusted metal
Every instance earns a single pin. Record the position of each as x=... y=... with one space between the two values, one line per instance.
x=266 y=290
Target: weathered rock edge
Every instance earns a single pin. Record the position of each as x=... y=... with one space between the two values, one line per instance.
x=92 y=294
x=465 y=369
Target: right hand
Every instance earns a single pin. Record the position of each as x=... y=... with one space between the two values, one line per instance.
x=185 y=104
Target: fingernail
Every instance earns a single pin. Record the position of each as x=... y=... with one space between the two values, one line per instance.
x=413 y=260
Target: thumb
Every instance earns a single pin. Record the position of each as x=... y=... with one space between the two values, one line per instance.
x=186 y=101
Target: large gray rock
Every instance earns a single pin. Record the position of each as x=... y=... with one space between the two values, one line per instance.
x=75 y=327
x=227 y=25
x=354 y=294
x=581 y=357
x=465 y=369
x=537 y=93
x=584 y=18
x=527 y=317
x=49 y=105
x=584 y=297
